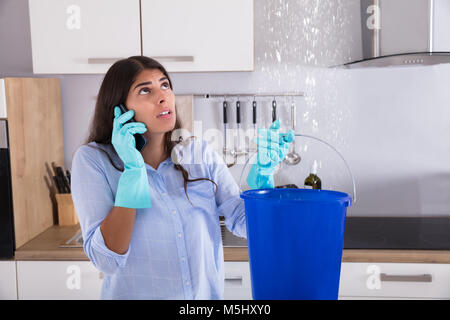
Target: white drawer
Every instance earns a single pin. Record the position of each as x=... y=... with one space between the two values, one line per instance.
x=58 y=280
x=8 y=289
x=237 y=281
x=395 y=280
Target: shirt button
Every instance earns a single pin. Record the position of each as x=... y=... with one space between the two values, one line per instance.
x=183 y=259
x=174 y=211
x=164 y=194
x=187 y=283
x=179 y=235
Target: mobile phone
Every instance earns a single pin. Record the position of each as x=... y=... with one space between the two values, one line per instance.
x=139 y=137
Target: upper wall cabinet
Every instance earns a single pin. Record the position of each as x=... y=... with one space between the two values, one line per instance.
x=87 y=36
x=199 y=35
x=83 y=36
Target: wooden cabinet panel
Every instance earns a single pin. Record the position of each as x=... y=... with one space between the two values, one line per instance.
x=36 y=140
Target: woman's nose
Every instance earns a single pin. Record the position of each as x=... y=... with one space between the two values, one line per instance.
x=161 y=101
x=161 y=98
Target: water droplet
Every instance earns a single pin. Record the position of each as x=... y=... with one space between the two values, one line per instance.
x=278 y=55
x=306 y=116
x=315 y=125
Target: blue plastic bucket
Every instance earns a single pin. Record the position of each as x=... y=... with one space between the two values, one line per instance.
x=295 y=241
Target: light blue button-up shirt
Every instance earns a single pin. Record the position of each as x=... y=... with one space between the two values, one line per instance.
x=176 y=247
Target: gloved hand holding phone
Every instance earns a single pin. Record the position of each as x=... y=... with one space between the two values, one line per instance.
x=133 y=190
x=272 y=149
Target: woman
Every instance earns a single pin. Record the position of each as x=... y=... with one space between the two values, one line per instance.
x=150 y=219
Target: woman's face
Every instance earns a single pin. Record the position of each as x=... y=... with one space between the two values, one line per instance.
x=150 y=97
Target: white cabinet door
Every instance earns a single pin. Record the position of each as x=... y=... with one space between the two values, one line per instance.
x=237 y=281
x=3 y=113
x=395 y=280
x=82 y=36
x=8 y=288
x=199 y=35
x=58 y=280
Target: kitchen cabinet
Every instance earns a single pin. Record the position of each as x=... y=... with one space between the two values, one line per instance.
x=58 y=280
x=237 y=284
x=3 y=113
x=394 y=281
x=82 y=36
x=8 y=288
x=80 y=280
x=199 y=35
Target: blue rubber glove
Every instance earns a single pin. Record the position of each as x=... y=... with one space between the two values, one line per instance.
x=272 y=149
x=133 y=190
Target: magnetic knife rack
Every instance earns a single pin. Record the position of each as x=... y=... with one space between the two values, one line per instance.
x=233 y=152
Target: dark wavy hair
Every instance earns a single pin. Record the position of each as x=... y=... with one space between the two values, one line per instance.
x=113 y=91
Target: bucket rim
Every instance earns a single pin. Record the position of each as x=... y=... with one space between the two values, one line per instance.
x=341 y=197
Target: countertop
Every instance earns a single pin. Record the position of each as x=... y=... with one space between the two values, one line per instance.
x=46 y=247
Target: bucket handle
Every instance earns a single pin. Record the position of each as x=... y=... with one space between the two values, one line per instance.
x=327 y=144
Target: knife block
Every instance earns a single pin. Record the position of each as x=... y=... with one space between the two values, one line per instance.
x=66 y=211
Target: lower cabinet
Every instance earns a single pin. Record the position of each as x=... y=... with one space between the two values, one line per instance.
x=80 y=280
x=394 y=281
x=363 y=281
x=8 y=286
x=237 y=281
x=58 y=280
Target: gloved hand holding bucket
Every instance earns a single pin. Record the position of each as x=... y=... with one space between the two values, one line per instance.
x=295 y=236
x=272 y=149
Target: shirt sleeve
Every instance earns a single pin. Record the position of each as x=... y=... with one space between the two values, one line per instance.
x=228 y=200
x=93 y=200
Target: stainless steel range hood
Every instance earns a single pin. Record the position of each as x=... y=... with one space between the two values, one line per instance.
x=404 y=33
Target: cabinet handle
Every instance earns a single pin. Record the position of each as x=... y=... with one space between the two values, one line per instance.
x=159 y=58
x=406 y=278
x=234 y=279
x=174 y=58
x=103 y=60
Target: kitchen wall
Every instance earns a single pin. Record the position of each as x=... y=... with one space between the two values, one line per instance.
x=389 y=124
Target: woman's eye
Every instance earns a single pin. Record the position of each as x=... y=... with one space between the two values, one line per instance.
x=144 y=91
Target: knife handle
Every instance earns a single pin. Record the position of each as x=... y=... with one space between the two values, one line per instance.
x=58 y=186
x=62 y=180
x=238 y=111
x=274 y=110
x=225 y=105
x=254 y=112
x=67 y=185
x=68 y=175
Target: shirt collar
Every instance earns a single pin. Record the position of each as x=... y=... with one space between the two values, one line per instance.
x=177 y=153
x=166 y=162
